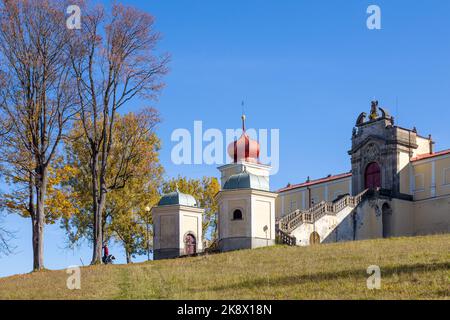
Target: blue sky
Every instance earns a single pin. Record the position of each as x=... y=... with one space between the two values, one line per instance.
x=307 y=68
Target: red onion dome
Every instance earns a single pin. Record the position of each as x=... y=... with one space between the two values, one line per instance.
x=244 y=148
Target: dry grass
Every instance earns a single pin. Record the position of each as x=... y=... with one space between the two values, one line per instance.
x=411 y=268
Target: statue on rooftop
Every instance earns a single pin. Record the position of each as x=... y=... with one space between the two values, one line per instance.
x=373 y=110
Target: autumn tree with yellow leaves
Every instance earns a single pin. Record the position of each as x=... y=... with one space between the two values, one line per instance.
x=113 y=60
x=133 y=181
x=36 y=105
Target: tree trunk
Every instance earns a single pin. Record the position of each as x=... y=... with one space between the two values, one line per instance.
x=128 y=254
x=38 y=220
x=37 y=239
x=100 y=209
x=98 y=235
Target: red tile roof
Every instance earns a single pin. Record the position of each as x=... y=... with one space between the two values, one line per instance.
x=317 y=181
x=430 y=155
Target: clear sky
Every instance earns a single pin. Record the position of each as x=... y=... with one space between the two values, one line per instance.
x=307 y=68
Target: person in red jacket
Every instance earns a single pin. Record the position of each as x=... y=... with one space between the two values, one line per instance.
x=105 y=252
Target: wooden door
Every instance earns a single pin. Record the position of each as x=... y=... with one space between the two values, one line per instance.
x=190 y=244
x=314 y=238
x=372 y=176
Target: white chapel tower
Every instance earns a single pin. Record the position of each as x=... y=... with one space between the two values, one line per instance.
x=246 y=216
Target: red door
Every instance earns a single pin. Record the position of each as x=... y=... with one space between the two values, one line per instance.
x=373 y=176
x=191 y=244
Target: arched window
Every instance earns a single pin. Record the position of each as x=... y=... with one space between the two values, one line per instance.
x=372 y=176
x=237 y=214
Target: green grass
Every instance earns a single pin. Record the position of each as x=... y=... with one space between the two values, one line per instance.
x=411 y=268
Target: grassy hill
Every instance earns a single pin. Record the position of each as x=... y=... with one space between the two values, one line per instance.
x=411 y=268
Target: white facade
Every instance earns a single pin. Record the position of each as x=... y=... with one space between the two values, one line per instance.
x=257 y=226
x=172 y=225
x=245 y=190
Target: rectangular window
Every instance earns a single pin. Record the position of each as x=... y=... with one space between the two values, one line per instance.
x=293 y=205
x=447 y=176
x=419 y=182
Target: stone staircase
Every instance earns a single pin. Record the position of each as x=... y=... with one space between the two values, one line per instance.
x=293 y=220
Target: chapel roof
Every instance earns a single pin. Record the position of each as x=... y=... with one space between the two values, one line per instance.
x=178 y=198
x=244 y=148
x=246 y=180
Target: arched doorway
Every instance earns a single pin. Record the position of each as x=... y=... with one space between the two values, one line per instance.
x=386 y=217
x=190 y=244
x=314 y=238
x=372 y=176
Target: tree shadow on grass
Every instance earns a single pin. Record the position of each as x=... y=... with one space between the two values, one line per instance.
x=343 y=274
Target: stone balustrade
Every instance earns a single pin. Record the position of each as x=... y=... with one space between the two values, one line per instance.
x=285 y=238
x=291 y=221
